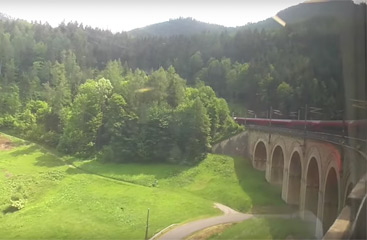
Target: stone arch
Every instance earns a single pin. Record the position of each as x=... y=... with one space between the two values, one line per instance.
x=295 y=146
x=313 y=152
x=277 y=165
x=311 y=188
x=331 y=196
x=313 y=180
x=278 y=141
x=294 y=178
x=260 y=155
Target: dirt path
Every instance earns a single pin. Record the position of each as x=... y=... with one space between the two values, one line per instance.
x=230 y=216
x=5 y=143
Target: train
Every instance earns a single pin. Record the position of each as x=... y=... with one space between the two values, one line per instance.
x=335 y=127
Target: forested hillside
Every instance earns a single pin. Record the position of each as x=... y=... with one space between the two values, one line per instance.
x=89 y=91
x=53 y=91
x=308 y=10
x=180 y=26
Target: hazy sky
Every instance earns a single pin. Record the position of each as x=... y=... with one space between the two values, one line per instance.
x=126 y=15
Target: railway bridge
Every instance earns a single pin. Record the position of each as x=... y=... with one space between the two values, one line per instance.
x=316 y=172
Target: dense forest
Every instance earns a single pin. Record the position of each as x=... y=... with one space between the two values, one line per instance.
x=50 y=95
x=158 y=97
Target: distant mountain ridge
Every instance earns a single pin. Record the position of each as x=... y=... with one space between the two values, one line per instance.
x=298 y=13
x=180 y=26
x=189 y=26
x=306 y=11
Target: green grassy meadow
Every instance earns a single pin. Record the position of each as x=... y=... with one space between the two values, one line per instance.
x=110 y=201
x=267 y=228
x=230 y=181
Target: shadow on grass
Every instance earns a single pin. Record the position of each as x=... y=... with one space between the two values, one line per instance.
x=142 y=174
x=74 y=171
x=10 y=209
x=45 y=160
x=266 y=198
x=26 y=151
x=289 y=228
x=48 y=160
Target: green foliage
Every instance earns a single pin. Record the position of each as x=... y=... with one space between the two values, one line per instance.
x=193 y=129
x=86 y=118
x=33 y=123
x=7 y=121
x=285 y=94
x=222 y=124
x=156 y=137
x=175 y=89
x=73 y=72
x=60 y=95
x=9 y=99
x=160 y=122
x=114 y=72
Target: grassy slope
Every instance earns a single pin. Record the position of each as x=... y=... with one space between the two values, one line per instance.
x=230 y=181
x=272 y=228
x=64 y=202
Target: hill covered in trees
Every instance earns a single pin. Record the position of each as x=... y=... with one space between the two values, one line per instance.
x=180 y=26
x=295 y=14
x=154 y=98
x=306 y=11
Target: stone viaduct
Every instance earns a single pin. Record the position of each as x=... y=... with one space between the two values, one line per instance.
x=315 y=175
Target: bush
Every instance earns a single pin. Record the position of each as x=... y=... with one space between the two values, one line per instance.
x=106 y=154
x=7 y=122
x=18 y=204
x=50 y=138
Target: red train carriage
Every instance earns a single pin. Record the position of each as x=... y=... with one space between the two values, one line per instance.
x=336 y=127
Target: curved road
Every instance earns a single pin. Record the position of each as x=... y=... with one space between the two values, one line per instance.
x=183 y=231
x=230 y=216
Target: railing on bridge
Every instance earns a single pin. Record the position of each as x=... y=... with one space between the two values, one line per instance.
x=356 y=143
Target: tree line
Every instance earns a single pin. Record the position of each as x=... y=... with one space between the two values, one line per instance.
x=285 y=68
x=119 y=115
